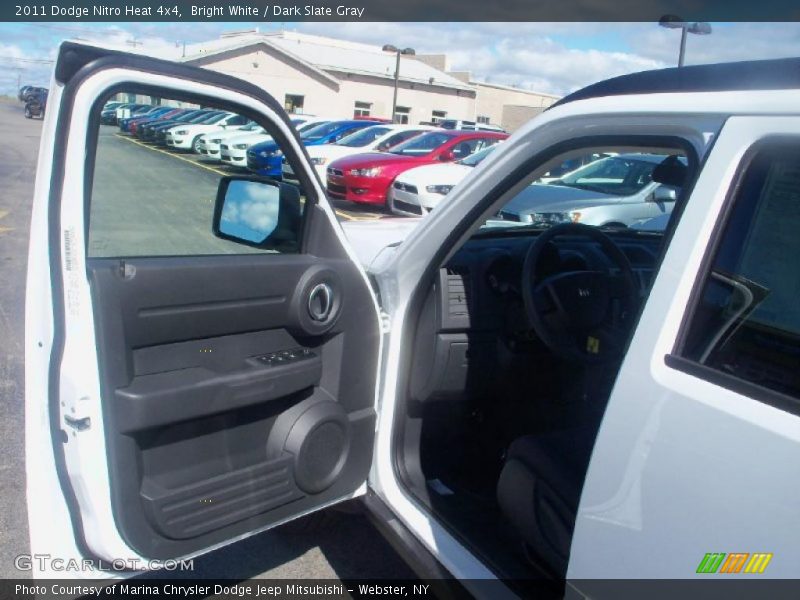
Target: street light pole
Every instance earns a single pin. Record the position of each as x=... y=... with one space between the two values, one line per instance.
x=682 y=51
x=675 y=22
x=396 y=82
x=398 y=52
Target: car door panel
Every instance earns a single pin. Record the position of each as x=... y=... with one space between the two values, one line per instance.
x=224 y=407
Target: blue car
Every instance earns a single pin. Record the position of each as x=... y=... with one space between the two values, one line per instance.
x=266 y=158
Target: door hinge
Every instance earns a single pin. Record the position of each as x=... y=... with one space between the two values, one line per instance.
x=386 y=323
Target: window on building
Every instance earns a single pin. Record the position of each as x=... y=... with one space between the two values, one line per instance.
x=402 y=114
x=438 y=115
x=746 y=325
x=483 y=119
x=362 y=109
x=294 y=103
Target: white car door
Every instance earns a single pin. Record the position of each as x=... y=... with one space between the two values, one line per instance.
x=178 y=399
x=695 y=469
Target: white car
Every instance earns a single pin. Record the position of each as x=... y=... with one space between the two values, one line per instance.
x=370 y=139
x=418 y=191
x=233 y=151
x=209 y=144
x=187 y=136
x=569 y=406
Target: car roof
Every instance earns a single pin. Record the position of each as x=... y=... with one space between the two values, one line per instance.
x=774 y=74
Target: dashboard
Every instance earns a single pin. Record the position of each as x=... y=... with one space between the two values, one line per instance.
x=475 y=311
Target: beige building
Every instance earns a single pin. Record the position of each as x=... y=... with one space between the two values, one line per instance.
x=339 y=79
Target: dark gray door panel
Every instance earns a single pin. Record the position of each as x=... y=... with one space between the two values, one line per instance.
x=222 y=402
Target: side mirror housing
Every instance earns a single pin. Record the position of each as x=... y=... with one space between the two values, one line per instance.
x=665 y=193
x=448 y=156
x=258 y=212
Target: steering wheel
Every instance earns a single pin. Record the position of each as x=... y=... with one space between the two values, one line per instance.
x=581 y=316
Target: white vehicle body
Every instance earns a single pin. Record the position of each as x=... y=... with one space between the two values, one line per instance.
x=187 y=137
x=209 y=144
x=678 y=467
x=412 y=186
x=323 y=154
x=233 y=151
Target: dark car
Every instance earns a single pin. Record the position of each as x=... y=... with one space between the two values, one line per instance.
x=156 y=111
x=148 y=131
x=28 y=91
x=135 y=109
x=171 y=113
x=35 y=104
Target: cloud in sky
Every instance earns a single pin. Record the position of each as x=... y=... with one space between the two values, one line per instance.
x=549 y=57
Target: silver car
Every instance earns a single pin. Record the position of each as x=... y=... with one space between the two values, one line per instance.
x=613 y=191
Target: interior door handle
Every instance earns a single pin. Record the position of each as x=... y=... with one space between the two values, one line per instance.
x=320 y=302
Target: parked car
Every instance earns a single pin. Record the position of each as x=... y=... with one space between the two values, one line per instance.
x=469 y=125
x=201 y=116
x=366 y=178
x=133 y=125
x=187 y=137
x=35 y=103
x=266 y=158
x=209 y=144
x=419 y=190
x=130 y=110
x=29 y=91
x=108 y=116
x=615 y=191
x=376 y=138
x=21 y=92
x=156 y=111
x=233 y=152
x=148 y=130
x=554 y=410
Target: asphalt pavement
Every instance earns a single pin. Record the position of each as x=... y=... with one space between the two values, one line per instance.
x=345 y=547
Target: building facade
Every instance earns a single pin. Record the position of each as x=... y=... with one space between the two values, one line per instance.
x=340 y=79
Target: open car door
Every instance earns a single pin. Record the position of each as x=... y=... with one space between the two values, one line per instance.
x=184 y=388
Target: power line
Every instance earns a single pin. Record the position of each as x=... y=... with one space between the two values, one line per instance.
x=38 y=61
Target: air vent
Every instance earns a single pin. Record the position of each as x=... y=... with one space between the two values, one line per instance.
x=458 y=285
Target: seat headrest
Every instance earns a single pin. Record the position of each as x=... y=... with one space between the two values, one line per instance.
x=671 y=171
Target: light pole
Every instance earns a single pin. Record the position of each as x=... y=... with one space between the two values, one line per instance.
x=396 y=50
x=674 y=22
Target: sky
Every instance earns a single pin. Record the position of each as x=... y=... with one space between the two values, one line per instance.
x=555 y=58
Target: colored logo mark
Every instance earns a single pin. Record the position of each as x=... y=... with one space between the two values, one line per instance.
x=735 y=562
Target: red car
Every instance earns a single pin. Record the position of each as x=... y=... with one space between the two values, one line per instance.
x=365 y=178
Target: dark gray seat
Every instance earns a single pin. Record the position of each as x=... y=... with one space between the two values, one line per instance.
x=539 y=490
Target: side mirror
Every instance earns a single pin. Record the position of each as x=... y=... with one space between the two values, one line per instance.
x=447 y=156
x=665 y=193
x=258 y=212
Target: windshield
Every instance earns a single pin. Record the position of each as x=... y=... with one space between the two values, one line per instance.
x=251 y=126
x=320 y=131
x=308 y=126
x=216 y=117
x=618 y=175
x=422 y=144
x=364 y=137
x=199 y=117
x=474 y=159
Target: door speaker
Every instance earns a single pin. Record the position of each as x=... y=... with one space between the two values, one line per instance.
x=316 y=433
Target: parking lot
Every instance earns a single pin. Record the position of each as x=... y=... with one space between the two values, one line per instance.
x=347 y=547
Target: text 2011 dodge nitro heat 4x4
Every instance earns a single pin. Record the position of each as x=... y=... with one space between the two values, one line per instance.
x=550 y=400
